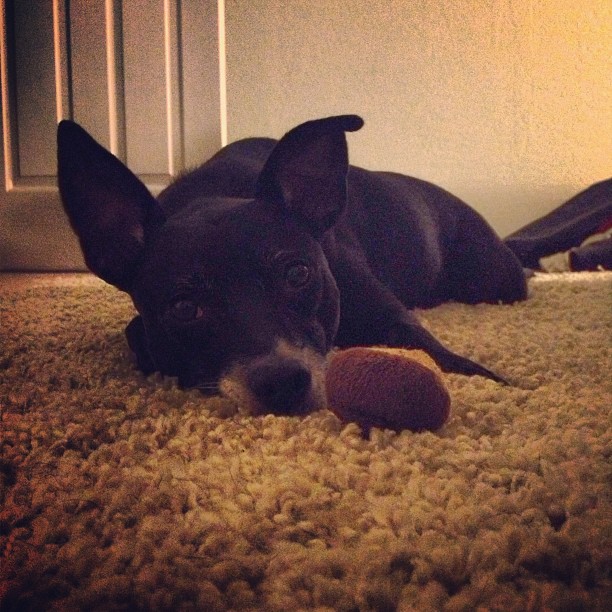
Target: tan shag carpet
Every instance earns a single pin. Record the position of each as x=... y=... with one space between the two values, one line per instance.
x=126 y=493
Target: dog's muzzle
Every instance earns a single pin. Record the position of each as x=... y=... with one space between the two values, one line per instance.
x=286 y=381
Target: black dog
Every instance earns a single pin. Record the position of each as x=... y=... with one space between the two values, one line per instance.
x=248 y=270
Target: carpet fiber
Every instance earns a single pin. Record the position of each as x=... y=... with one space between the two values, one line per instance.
x=121 y=492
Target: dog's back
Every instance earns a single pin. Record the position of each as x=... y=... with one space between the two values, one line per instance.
x=231 y=173
x=421 y=241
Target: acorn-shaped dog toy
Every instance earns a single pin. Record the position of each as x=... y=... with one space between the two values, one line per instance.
x=389 y=388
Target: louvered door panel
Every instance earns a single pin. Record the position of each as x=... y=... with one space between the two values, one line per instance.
x=141 y=75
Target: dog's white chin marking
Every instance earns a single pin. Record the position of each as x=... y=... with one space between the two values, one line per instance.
x=233 y=385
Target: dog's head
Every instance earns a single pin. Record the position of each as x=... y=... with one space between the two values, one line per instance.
x=233 y=294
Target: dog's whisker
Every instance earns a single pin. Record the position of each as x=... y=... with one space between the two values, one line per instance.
x=208 y=388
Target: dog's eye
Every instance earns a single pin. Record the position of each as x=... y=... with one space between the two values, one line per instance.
x=184 y=310
x=297 y=275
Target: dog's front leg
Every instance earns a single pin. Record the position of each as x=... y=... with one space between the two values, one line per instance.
x=137 y=341
x=410 y=333
x=370 y=314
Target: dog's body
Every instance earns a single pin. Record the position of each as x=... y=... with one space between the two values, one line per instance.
x=247 y=271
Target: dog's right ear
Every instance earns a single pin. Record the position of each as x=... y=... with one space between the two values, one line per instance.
x=306 y=171
x=109 y=208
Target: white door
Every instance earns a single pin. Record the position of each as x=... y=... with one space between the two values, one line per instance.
x=142 y=76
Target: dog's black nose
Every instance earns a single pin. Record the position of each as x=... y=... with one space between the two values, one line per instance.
x=281 y=386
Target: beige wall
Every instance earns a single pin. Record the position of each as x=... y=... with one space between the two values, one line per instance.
x=507 y=103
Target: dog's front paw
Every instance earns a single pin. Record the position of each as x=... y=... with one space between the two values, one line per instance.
x=137 y=341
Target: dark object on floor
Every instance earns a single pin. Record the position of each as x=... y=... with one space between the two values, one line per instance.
x=565 y=229
x=594 y=256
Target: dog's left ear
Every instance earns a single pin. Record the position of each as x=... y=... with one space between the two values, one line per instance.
x=109 y=208
x=306 y=171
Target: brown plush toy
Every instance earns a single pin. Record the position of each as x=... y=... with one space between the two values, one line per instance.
x=390 y=388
